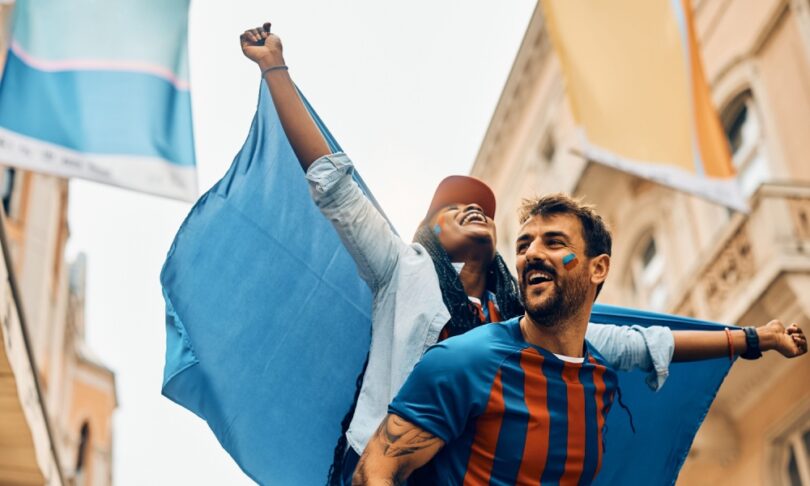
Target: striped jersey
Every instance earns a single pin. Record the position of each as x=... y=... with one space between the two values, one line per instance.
x=509 y=412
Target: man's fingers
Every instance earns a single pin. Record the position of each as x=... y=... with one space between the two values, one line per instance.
x=266 y=27
x=800 y=341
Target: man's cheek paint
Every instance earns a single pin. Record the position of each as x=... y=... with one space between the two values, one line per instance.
x=570 y=261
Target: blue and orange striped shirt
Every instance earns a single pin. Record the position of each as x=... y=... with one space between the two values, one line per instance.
x=509 y=412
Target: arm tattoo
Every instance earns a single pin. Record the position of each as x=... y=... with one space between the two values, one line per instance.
x=399 y=438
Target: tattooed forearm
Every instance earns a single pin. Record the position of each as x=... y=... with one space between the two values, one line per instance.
x=360 y=478
x=400 y=438
x=396 y=449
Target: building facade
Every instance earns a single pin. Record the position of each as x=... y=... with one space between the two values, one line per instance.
x=56 y=398
x=676 y=253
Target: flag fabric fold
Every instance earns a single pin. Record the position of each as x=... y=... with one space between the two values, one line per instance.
x=639 y=95
x=100 y=91
x=267 y=324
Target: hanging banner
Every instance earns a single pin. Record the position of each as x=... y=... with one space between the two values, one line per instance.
x=100 y=91
x=638 y=92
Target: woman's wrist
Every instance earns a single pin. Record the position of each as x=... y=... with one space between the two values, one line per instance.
x=270 y=61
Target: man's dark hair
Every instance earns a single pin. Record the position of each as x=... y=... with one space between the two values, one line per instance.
x=595 y=232
x=462 y=316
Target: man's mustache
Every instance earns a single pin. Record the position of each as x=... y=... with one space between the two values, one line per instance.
x=540 y=266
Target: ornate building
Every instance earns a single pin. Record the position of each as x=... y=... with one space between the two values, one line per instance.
x=676 y=253
x=56 y=398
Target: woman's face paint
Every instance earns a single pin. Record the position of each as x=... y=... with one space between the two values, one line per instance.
x=439 y=225
x=570 y=261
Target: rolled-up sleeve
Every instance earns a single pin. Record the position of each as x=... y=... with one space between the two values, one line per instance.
x=364 y=231
x=627 y=348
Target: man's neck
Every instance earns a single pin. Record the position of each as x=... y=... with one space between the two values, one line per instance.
x=567 y=337
x=473 y=276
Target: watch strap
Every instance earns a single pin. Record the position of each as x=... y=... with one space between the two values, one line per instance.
x=752 y=350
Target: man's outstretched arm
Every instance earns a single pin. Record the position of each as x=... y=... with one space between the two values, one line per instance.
x=394 y=452
x=696 y=345
x=264 y=48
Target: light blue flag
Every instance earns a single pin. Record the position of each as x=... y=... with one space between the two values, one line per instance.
x=100 y=90
x=268 y=324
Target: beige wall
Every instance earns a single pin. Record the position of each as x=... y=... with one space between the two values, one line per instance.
x=726 y=267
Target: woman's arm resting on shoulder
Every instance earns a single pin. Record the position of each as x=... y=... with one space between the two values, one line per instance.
x=264 y=48
x=696 y=345
x=396 y=450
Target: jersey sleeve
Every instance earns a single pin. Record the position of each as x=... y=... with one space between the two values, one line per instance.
x=443 y=391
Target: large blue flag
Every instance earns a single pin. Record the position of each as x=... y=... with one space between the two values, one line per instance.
x=100 y=90
x=268 y=326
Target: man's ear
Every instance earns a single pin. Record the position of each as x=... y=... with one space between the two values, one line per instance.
x=599 y=268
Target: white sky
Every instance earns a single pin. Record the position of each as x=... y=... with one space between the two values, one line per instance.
x=407 y=88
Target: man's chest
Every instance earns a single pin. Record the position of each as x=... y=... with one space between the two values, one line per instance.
x=543 y=419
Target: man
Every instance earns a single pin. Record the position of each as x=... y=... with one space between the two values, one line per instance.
x=524 y=401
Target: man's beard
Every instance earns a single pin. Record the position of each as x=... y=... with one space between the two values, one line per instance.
x=564 y=303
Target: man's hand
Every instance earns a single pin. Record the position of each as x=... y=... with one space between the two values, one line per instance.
x=790 y=342
x=262 y=47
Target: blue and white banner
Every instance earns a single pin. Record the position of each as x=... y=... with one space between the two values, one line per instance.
x=100 y=91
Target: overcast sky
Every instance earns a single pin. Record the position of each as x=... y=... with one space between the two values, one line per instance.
x=407 y=88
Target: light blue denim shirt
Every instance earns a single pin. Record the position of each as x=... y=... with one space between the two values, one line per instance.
x=408 y=311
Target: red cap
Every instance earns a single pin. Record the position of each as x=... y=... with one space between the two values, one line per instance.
x=457 y=189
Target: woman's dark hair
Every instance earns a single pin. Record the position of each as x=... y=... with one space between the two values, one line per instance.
x=499 y=281
x=462 y=316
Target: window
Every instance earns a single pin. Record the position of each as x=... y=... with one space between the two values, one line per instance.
x=548 y=149
x=744 y=131
x=7 y=188
x=647 y=275
x=793 y=456
x=81 y=452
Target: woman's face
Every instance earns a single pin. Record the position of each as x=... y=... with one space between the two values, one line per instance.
x=464 y=230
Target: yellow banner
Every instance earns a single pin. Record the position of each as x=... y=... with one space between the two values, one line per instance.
x=637 y=89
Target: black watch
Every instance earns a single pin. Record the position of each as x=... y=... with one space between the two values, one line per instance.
x=752 y=350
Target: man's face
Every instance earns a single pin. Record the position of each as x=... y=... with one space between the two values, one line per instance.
x=550 y=292
x=462 y=227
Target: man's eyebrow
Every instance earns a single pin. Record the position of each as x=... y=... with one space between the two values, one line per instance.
x=557 y=234
x=524 y=236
